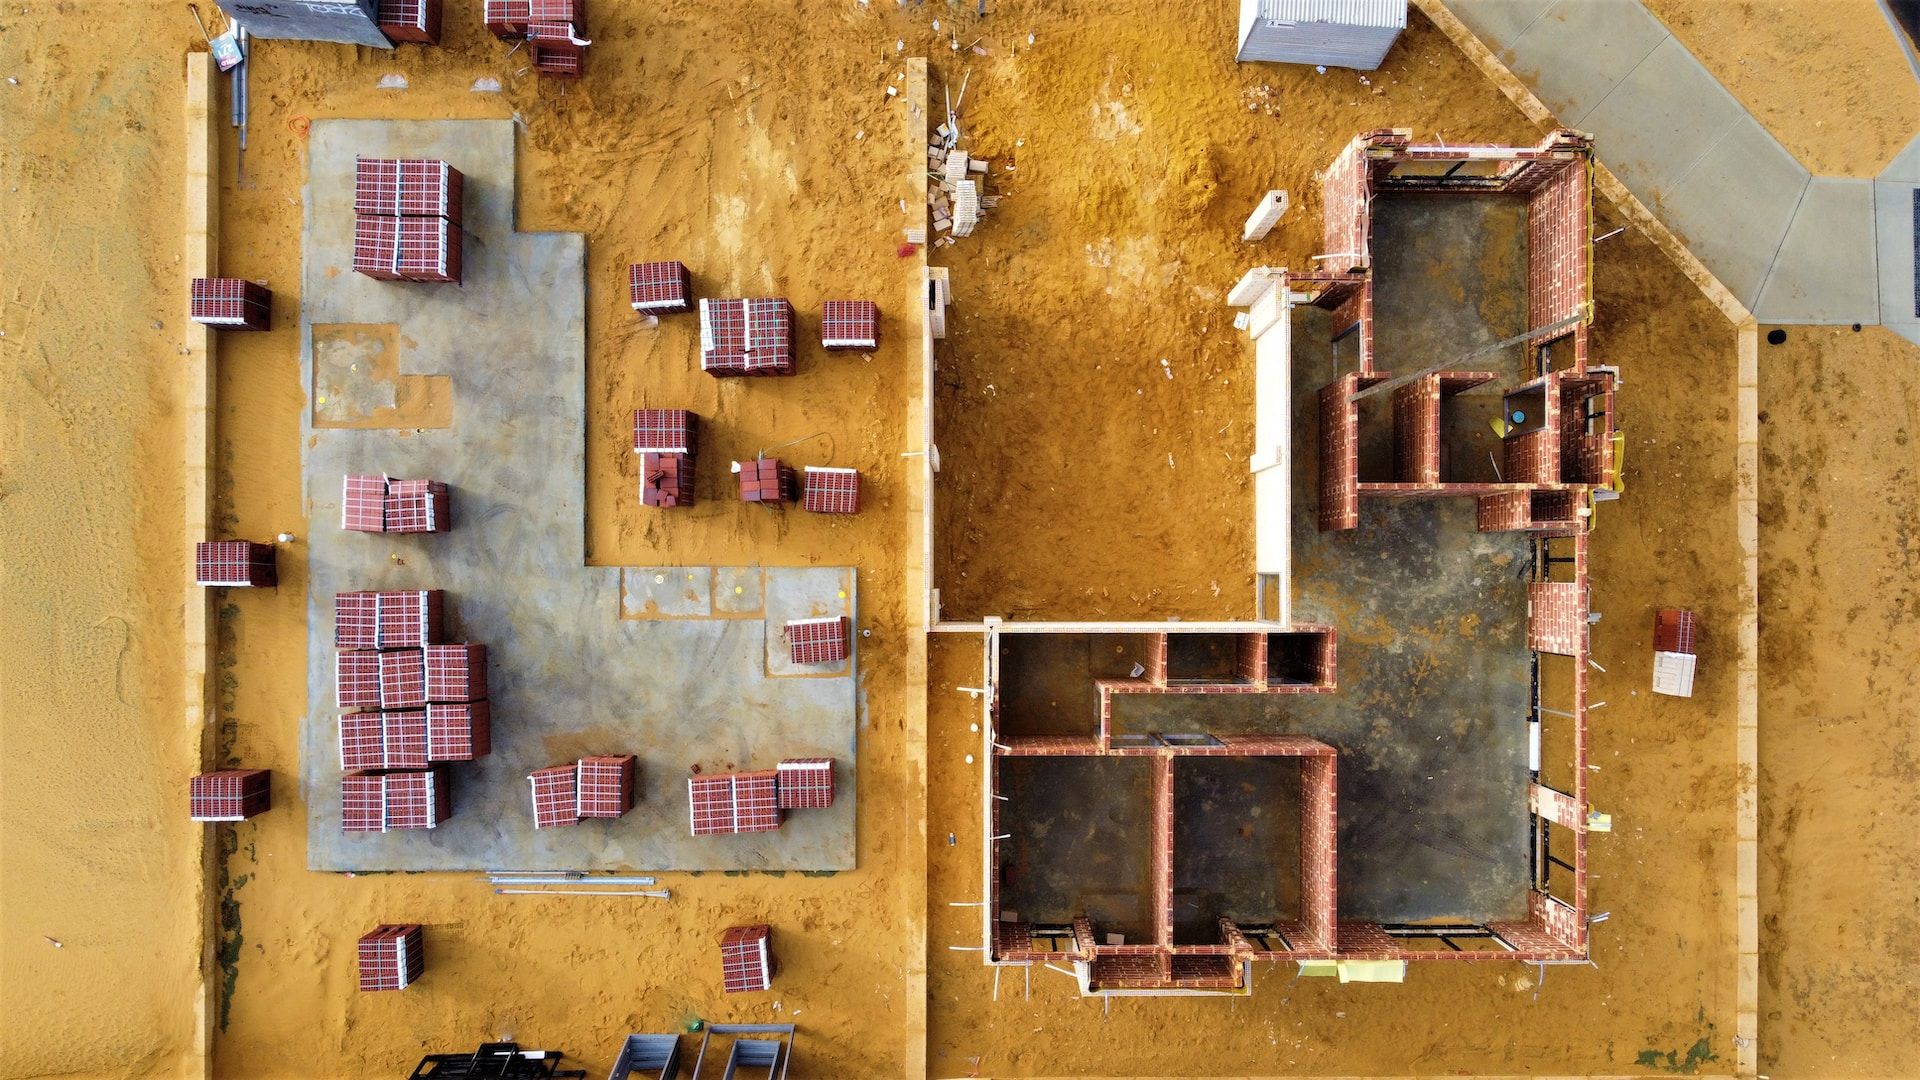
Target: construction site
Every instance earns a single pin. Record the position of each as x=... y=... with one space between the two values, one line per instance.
x=951 y=538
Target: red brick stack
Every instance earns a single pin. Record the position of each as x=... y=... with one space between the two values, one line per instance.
x=552 y=29
x=409 y=701
x=766 y=480
x=831 y=491
x=392 y=957
x=383 y=504
x=666 y=440
x=728 y=803
x=746 y=337
x=818 y=641
x=416 y=21
x=406 y=223
x=850 y=324
x=660 y=288
x=230 y=795
x=239 y=563
x=746 y=959
x=594 y=787
x=232 y=304
x=805 y=783
x=734 y=803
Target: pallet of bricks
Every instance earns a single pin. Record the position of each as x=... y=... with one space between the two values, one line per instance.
x=406 y=219
x=552 y=30
x=667 y=441
x=409 y=703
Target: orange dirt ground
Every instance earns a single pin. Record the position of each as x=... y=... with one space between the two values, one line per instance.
x=726 y=137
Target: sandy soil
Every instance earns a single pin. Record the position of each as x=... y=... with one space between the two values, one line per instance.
x=1827 y=77
x=91 y=572
x=1840 y=413
x=731 y=141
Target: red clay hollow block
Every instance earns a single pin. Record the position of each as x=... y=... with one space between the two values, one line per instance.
x=765 y=480
x=230 y=794
x=415 y=21
x=375 y=802
x=353 y=620
x=558 y=63
x=392 y=957
x=1673 y=631
x=746 y=959
x=363 y=744
x=403 y=679
x=850 y=324
x=746 y=337
x=418 y=506
x=234 y=563
x=420 y=249
x=710 y=805
x=756 y=801
x=805 y=783
x=506 y=19
x=363 y=504
x=818 y=641
x=831 y=491
x=458 y=731
x=605 y=785
x=407 y=188
x=665 y=431
x=456 y=673
x=231 y=304
x=666 y=480
x=408 y=620
x=659 y=288
x=556 y=796
x=356 y=680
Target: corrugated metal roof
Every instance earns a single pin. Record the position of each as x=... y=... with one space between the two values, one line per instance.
x=1372 y=13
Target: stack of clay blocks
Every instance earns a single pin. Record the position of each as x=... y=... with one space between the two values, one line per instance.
x=234 y=563
x=746 y=337
x=818 y=641
x=406 y=224
x=766 y=480
x=666 y=440
x=416 y=21
x=231 y=304
x=850 y=324
x=831 y=491
x=601 y=786
x=230 y=795
x=392 y=957
x=382 y=504
x=659 y=288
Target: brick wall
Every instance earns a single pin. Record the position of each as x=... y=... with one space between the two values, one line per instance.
x=1344 y=218
x=1416 y=432
x=1156 y=660
x=1250 y=661
x=1556 y=617
x=1339 y=457
x=1533 y=458
x=1161 y=851
x=1319 y=850
x=1504 y=512
x=1559 y=246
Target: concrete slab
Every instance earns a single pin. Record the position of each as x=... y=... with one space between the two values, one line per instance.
x=1661 y=120
x=1826 y=271
x=1500 y=23
x=1732 y=210
x=1905 y=166
x=739 y=591
x=1576 y=53
x=666 y=592
x=568 y=675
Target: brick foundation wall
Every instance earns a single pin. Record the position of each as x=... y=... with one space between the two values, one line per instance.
x=1161 y=851
x=1344 y=219
x=1559 y=246
x=1505 y=512
x=1416 y=432
x=1339 y=457
x=1250 y=660
x=1533 y=458
x=1556 y=617
x=1319 y=850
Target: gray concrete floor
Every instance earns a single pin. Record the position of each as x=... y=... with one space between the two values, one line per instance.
x=1046 y=680
x=579 y=662
x=1080 y=843
x=1450 y=276
x=1236 y=844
